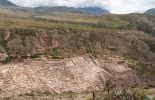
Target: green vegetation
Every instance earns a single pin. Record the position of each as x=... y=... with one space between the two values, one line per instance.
x=145 y=68
x=146 y=71
x=8 y=60
x=143 y=96
x=56 y=53
x=6 y=98
x=151 y=44
x=96 y=21
x=116 y=23
x=61 y=16
x=127 y=94
x=47 y=93
x=29 y=94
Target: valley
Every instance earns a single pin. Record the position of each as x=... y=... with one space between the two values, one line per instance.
x=74 y=56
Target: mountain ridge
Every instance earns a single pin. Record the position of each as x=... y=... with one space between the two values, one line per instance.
x=95 y=10
x=150 y=12
x=48 y=9
x=7 y=3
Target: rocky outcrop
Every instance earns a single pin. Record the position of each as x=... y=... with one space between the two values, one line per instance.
x=76 y=74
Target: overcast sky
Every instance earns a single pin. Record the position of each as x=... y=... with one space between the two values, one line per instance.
x=114 y=6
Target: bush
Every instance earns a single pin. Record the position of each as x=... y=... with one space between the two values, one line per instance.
x=47 y=93
x=127 y=94
x=144 y=96
x=29 y=94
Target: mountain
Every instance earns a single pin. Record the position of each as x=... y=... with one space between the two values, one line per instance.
x=95 y=10
x=150 y=12
x=48 y=10
x=6 y=3
x=88 y=10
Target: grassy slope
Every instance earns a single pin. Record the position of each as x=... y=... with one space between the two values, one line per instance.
x=21 y=22
x=109 y=20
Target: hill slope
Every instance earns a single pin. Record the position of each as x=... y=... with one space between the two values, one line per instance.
x=6 y=3
x=75 y=52
x=95 y=10
x=150 y=12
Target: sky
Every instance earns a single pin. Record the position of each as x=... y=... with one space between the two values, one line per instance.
x=114 y=6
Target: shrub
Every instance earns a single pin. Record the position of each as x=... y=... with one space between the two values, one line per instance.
x=127 y=94
x=29 y=94
x=47 y=93
x=144 y=96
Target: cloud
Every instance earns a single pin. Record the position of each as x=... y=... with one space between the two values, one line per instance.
x=114 y=6
x=130 y=6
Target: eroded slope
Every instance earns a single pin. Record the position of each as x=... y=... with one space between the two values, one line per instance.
x=77 y=74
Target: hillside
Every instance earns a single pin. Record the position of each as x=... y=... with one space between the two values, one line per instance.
x=140 y=22
x=62 y=53
x=6 y=3
x=150 y=12
x=95 y=10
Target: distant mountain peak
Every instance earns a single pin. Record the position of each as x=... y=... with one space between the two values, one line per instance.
x=6 y=3
x=150 y=12
x=95 y=10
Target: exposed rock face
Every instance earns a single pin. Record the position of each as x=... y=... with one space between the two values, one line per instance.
x=75 y=74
